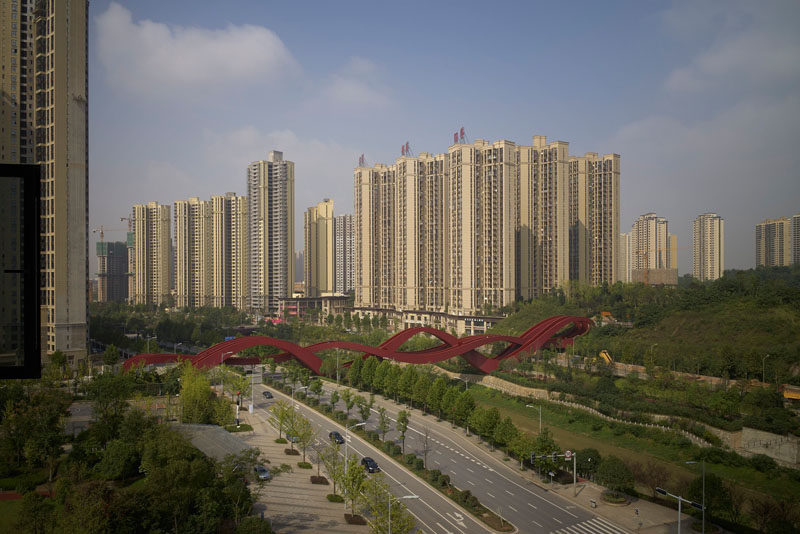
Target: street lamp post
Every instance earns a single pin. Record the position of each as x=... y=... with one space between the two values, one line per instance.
x=175 y=348
x=390 y=507
x=703 y=462
x=763 y=361
x=540 y=415
x=681 y=500
x=156 y=337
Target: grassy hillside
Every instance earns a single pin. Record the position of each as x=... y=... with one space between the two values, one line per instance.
x=723 y=328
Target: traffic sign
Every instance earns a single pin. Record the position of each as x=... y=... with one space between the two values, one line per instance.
x=696 y=505
x=567 y=454
x=661 y=491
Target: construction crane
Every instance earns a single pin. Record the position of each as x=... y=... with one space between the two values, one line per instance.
x=130 y=220
x=102 y=230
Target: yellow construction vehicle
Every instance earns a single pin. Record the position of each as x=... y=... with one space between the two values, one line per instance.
x=606 y=357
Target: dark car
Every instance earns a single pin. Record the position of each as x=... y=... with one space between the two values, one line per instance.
x=262 y=472
x=370 y=465
x=268 y=395
x=336 y=437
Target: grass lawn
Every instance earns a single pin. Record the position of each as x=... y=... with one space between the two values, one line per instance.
x=8 y=515
x=586 y=431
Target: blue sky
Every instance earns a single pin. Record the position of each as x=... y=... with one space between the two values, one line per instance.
x=700 y=99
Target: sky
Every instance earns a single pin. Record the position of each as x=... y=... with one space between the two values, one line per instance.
x=700 y=99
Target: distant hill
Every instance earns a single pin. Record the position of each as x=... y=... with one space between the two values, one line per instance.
x=722 y=328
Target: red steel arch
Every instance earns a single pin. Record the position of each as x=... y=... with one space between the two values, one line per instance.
x=559 y=330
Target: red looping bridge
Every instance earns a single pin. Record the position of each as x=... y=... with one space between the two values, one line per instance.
x=558 y=331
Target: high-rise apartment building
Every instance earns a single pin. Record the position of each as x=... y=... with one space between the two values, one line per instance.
x=773 y=242
x=153 y=263
x=796 y=239
x=319 y=249
x=624 y=258
x=708 y=247
x=193 y=253
x=343 y=242
x=653 y=251
x=230 y=251
x=44 y=113
x=472 y=230
x=270 y=193
x=112 y=266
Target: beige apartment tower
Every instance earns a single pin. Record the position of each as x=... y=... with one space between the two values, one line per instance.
x=773 y=242
x=193 y=253
x=653 y=251
x=230 y=251
x=319 y=249
x=152 y=254
x=470 y=231
x=343 y=253
x=708 y=247
x=270 y=194
x=796 y=239
x=44 y=114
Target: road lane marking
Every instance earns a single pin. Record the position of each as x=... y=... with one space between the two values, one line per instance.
x=470 y=482
x=537 y=524
x=489 y=481
x=557 y=520
x=511 y=507
x=470 y=470
x=509 y=492
x=490 y=495
x=532 y=506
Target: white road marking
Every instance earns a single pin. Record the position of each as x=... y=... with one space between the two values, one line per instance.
x=557 y=520
x=470 y=470
x=470 y=482
x=532 y=506
x=511 y=507
x=509 y=492
x=490 y=495
x=537 y=524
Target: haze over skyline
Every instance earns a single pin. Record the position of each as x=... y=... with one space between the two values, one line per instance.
x=700 y=100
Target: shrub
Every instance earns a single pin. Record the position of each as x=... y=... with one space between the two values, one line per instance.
x=409 y=458
x=304 y=465
x=444 y=481
x=763 y=463
x=332 y=497
x=281 y=440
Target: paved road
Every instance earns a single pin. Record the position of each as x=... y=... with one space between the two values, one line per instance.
x=434 y=512
x=497 y=484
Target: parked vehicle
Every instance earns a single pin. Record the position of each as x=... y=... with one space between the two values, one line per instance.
x=370 y=465
x=262 y=472
x=268 y=395
x=336 y=437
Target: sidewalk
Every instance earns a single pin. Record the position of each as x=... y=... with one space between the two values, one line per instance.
x=290 y=501
x=652 y=518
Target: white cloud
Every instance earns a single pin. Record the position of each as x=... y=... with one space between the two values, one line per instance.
x=747 y=45
x=153 y=59
x=356 y=86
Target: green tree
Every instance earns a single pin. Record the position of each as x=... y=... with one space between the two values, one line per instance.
x=587 y=461
x=316 y=388
x=364 y=408
x=334 y=397
x=354 y=374
x=253 y=525
x=304 y=431
x=376 y=499
x=436 y=395
x=402 y=426
x=505 y=432
x=718 y=498
x=614 y=474
x=407 y=380
x=333 y=462
x=383 y=422
x=381 y=371
x=280 y=415
x=450 y=403
x=544 y=447
x=392 y=381
x=36 y=514
x=111 y=356
x=109 y=394
x=464 y=406
x=120 y=460
x=367 y=376
x=420 y=390
x=353 y=482
x=522 y=446
x=349 y=400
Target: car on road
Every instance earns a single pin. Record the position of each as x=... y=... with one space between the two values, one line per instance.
x=262 y=472
x=268 y=395
x=370 y=465
x=336 y=437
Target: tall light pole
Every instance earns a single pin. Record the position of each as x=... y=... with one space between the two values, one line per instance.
x=175 y=347
x=540 y=415
x=763 y=361
x=390 y=506
x=221 y=378
x=681 y=500
x=703 y=462
x=156 y=338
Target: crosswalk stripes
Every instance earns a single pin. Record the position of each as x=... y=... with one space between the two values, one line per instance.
x=592 y=526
